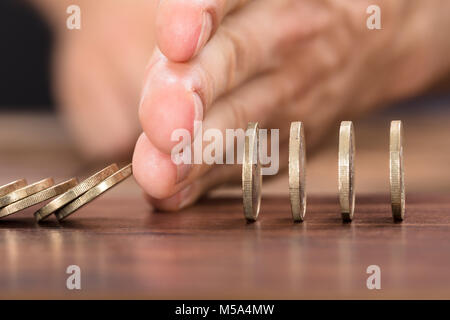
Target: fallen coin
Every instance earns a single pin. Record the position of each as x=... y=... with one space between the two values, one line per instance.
x=297 y=173
x=13 y=186
x=94 y=192
x=24 y=192
x=346 y=170
x=74 y=192
x=38 y=197
x=397 y=175
x=251 y=174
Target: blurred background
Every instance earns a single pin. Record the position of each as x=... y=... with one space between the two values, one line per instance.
x=27 y=107
x=24 y=58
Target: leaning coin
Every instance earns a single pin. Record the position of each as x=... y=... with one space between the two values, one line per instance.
x=396 y=176
x=297 y=173
x=94 y=192
x=24 y=192
x=75 y=192
x=37 y=198
x=251 y=173
x=346 y=170
x=13 y=186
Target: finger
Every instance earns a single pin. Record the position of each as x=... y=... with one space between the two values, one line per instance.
x=176 y=94
x=254 y=102
x=273 y=100
x=190 y=194
x=319 y=120
x=183 y=27
x=217 y=176
x=161 y=178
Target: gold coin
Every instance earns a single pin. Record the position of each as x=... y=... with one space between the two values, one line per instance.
x=37 y=198
x=13 y=186
x=24 y=192
x=94 y=192
x=397 y=177
x=347 y=170
x=74 y=192
x=297 y=173
x=251 y=173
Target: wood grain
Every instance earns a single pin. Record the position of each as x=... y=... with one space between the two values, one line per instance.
x=209 y=251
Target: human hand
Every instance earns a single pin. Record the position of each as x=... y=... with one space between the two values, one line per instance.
x=230 y=62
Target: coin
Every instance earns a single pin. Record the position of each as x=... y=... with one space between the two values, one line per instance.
x=13 y=186
x=251 y=173
x=346 y=170
x=297 y=173
x=74 y=192
x=24 y=192
x=37 y=198
x=94 y=192
x=397 y=176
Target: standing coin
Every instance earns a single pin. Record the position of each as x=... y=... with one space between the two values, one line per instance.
x=347 y=170
x=37 y=198
x=297 y=173
x=397 y=171
x=94 y=192
x=251 y=173
x=13 y=186
x=24 y=192
x=74 y=192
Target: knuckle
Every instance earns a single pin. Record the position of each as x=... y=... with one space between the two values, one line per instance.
x=242 y=53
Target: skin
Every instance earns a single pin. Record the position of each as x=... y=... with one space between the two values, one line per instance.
x=228 y=62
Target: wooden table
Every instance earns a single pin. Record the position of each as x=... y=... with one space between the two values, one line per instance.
x=209 y=251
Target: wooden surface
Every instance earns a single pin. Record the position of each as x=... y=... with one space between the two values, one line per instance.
x=208 y=251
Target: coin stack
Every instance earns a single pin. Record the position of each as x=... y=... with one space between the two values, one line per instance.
x=70 y=195
x=251 y=172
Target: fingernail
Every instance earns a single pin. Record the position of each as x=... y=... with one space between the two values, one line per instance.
x=183 y=170
x=185 y=199
x=198 y=111
x=205 y=33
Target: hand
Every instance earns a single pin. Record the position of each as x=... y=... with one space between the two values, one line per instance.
x=230 y=62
